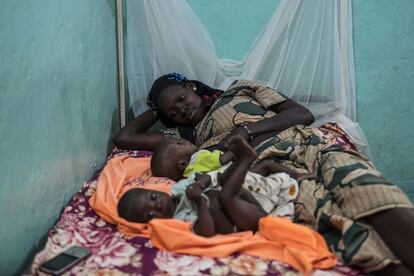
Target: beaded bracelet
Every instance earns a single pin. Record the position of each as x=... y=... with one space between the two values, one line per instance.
x=154 y=112
x=248 y=132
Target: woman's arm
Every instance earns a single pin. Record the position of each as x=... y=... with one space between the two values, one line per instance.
x=288 y=114
x=135 y=136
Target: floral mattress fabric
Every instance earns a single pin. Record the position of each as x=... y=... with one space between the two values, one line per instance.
x=112 y=254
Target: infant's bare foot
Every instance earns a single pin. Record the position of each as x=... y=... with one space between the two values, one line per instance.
x=241 y=149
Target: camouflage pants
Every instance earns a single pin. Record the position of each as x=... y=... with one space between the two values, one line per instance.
x=349 y=188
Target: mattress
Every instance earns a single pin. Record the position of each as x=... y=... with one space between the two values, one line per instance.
x=112 y=254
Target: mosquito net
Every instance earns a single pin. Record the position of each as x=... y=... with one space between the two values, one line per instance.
x=305 y=51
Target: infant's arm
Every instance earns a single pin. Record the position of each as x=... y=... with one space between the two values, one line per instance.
x=204 y=225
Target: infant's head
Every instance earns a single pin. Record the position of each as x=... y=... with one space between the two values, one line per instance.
x=171 y=158
x=141 y=205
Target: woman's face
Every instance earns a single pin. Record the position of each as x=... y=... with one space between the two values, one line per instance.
x=182 y=105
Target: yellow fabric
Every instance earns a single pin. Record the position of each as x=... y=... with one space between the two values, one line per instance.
x=203 y=161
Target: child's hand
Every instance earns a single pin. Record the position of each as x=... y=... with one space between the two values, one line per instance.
x=194 y=193
x=226 y=157
x=202 y=180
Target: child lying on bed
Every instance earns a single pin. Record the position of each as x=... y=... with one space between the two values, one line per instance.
x=177 y=159
x=233 y=207
x=274 y=191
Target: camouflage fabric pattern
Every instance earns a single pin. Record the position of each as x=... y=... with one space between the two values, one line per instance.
x=244 y=102
x=349 y=188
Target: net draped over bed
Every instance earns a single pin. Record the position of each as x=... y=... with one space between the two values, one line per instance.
x=305 y=51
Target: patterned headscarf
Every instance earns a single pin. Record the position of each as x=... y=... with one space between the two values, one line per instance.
x=162 y=83
x=208 y=96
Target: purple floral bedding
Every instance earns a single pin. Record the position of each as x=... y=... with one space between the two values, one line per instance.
x=114 y=255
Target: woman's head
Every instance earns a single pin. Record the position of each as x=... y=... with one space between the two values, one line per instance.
x=181 y=101
x=180 y=104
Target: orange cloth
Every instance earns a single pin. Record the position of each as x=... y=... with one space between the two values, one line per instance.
x=277 y=238
x=121 y=174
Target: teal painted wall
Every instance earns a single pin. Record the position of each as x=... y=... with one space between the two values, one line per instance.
x=58 y=98
x=58 y=103
x=384 y=60
x=233 y=24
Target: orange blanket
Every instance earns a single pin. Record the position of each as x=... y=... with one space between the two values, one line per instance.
x=277 y=238
x=121 y=174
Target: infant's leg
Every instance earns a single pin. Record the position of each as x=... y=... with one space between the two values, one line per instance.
x=223 y=224
x=232 y=179
x=245 y=215
x=239 y=149
x=267 y=167
x=262 y=167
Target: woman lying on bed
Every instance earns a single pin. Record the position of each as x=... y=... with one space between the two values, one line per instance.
x=352 y=206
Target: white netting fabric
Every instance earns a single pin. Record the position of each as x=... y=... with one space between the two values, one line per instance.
x=305 y=51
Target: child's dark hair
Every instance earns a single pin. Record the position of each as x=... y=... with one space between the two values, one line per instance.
x=127 y=209
x=160 y=156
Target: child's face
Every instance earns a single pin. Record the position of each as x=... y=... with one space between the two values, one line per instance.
x=182 y=152
x=154 y=204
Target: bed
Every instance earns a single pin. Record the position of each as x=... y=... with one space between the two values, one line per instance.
x=114 y=255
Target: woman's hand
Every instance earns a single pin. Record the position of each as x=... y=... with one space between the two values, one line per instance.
x=288 y=114
x=224 y=144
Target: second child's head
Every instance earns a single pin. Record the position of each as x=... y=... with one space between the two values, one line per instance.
x=171 y=158
x=141 y=205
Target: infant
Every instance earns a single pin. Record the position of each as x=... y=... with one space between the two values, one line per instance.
x=234 y=208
